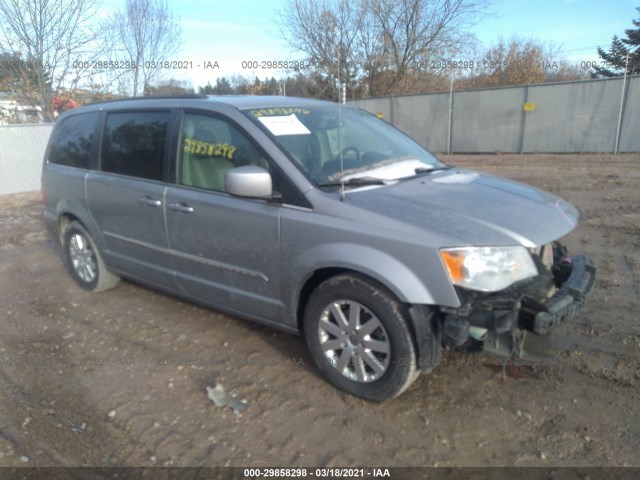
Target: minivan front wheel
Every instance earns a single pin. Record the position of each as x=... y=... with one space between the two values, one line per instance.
x=358 y=335
x=84 y=260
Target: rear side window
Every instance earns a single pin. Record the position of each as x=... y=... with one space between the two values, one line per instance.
x=72 y=141
x=134 y=144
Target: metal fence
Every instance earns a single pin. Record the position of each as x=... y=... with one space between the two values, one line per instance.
x=569 y=117
x=21 y=152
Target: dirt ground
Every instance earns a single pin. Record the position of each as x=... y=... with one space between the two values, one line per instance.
x=121 y=377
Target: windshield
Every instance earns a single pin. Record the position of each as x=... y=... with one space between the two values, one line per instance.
x=333 y=144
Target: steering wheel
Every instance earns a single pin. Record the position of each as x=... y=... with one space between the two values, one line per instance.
x=353 y=149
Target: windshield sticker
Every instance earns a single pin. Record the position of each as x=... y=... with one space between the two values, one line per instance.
x=206 y=149
x=284 y=125
x=270 y=112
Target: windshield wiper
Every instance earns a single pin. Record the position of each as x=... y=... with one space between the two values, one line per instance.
x=423 y=170
x=360 y=181
x=357 y=181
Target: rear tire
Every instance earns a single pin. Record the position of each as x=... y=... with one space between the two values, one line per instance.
x=358 y=335
x=84 y=261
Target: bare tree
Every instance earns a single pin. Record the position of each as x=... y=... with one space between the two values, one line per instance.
x=384 y=40
x=519 y=61
x=327 y=32
x=423 y=35
x=54 y=41
x=146 y=34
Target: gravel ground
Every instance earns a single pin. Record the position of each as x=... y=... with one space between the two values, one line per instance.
x=121 y=377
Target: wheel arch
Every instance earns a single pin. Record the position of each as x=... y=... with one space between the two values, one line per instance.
x=313 y=279
x=64 y=220
x=368 y=262
x=68 y=211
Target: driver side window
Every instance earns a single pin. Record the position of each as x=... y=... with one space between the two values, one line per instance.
x=209 y=147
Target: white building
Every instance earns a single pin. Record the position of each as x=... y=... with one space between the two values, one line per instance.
x=11 y=112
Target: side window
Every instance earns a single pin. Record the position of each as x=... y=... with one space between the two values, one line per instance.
x=134 y=144
x=72 y=141
x=209 y=147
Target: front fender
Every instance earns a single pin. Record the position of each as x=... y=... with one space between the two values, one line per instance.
x=387 y=270
x=398 y=277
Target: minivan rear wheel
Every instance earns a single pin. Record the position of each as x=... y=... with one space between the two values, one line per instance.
x=358 y=335
x=84 y=261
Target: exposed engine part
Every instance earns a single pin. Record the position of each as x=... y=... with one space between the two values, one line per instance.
x=478 y=333
x=498 y=322
x=455 y=330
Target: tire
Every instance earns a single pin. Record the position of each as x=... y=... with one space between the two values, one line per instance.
x=84 y=261
x=358 y=335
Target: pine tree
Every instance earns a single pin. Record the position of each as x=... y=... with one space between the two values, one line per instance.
x=208 y=89
x=223 y=87
x=615 y=59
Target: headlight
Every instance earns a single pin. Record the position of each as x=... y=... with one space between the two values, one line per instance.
x=488 y=269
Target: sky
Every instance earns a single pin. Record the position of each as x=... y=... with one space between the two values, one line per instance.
x=237 y=31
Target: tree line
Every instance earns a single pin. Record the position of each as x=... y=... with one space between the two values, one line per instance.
x=513 y=61
x=384 y=47
x=52 y=49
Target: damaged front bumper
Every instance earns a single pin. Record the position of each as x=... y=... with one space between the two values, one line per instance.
x=498 y=322
x=541 y=318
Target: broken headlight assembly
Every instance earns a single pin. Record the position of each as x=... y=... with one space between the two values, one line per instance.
x=488 y=269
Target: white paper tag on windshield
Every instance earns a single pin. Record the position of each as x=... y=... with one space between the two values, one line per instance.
x=284 y=125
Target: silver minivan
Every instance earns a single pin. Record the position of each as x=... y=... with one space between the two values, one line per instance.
x=315 y=218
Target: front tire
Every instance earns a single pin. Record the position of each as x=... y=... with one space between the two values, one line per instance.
x=84 y=261
x=358 y=335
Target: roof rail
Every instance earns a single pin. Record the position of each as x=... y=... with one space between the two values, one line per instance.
x=152 y=97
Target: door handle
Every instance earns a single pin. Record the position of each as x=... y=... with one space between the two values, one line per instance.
x=150 y=201
x=181 y=207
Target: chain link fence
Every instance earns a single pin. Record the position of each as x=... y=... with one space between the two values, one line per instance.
x=21 y=153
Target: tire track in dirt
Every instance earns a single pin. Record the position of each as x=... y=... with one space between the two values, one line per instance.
x=464 y=413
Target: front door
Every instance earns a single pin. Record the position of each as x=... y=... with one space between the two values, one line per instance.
x=225 y=249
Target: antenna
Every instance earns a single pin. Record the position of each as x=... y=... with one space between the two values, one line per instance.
x=340 y=130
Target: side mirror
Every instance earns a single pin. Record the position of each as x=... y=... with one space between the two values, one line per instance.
x=248 y=181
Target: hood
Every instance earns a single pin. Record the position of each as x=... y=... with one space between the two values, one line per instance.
x=475 y=208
